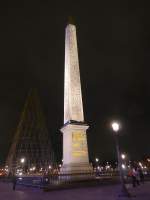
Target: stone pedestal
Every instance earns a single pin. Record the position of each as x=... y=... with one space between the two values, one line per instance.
x=75 y=151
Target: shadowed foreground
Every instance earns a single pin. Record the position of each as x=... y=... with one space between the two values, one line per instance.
x=110 y=192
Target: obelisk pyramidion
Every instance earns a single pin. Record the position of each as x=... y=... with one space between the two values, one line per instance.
x=75 y=151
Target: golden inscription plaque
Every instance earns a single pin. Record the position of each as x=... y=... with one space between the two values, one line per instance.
x=79 y=146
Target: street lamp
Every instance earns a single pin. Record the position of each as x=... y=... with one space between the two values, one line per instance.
x=123 y=166
x=50 y=167
x=59 y=165
x=22 y=160
x=124 y=192
x=96 y=165
x=123 y=156
x=115 y=126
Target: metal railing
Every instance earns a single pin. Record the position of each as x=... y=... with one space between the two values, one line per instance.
x=55 y=181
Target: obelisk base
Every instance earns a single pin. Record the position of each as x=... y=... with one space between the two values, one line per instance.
x=75 y=172
x=76 y=169
x=75 y=152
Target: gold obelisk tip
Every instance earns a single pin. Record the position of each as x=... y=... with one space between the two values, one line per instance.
x=71 y=20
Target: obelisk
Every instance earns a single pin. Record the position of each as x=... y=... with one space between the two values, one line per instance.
x=75 y=150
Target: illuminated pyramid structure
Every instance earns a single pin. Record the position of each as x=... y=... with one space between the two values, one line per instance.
x=31 y=140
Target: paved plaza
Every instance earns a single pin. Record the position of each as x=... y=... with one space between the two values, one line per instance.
x=89 y=193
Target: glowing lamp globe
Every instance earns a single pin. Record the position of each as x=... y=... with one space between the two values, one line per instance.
x=22 y=160
x=115 y=126
x=123 y=156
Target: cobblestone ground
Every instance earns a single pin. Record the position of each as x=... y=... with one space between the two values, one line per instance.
x=142 y=192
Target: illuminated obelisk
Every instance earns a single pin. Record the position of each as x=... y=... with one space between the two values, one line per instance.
x=75 y=150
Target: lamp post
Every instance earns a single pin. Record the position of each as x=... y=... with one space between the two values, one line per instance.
x=97 y=169
x=123 y=156
x=124 y=192
x=22 y=161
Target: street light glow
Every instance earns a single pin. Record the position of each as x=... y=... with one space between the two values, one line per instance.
x=115 y=126
x=20 y=173
x=96 y=159
x=148 y=159
x=123 y=156
x=22 y=160
x=124 y=192
x=123 y=166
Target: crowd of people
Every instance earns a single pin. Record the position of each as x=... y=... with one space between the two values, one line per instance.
x=137 y=176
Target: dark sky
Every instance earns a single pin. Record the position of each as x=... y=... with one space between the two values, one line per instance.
x=114 y=55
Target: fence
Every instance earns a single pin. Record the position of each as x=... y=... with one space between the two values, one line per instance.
x=63 y=180
x=55 y=181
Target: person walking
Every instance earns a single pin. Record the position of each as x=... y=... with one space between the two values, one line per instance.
x=133 y=175
x=137 y=176
x=141 y=175
x=14 y=181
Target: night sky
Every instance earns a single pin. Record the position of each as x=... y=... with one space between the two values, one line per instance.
x=114 y=56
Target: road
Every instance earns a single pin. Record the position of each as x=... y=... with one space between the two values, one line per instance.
x=110 y=192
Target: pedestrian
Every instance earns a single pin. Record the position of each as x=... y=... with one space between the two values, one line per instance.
x=133 y=175
x=137 y=176
x=14 y=181
x=141 y=175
